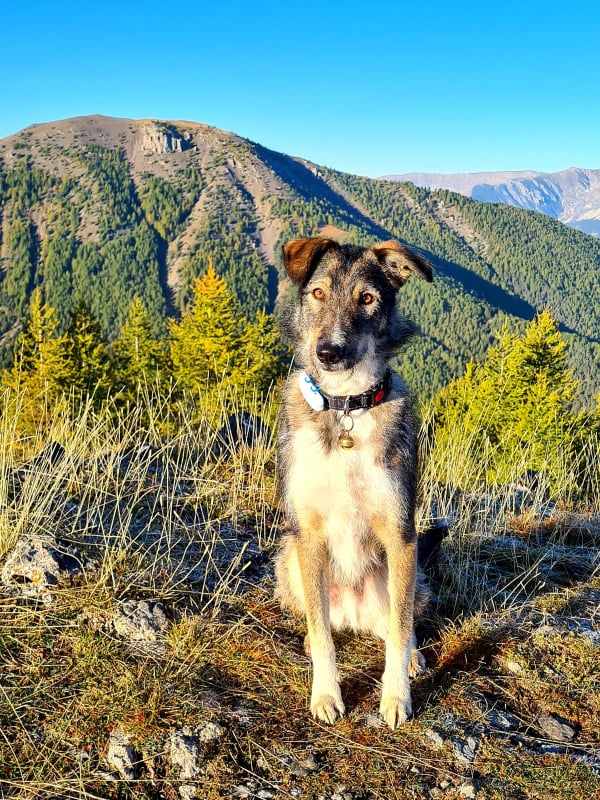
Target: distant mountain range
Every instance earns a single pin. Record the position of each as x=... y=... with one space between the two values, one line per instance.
x=100 y=210
x=571 y=196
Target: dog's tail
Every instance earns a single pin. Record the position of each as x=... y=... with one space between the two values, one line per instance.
x=429 y=543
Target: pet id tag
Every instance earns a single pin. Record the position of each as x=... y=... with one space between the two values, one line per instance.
x=310 y=392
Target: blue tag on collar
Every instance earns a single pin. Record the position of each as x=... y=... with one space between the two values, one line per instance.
x=310 y=392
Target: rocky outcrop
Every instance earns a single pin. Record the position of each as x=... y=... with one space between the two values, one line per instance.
x=157 y=138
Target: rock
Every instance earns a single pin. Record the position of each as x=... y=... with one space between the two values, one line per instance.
x=502 y=720
x=210 y=732
x=467 y=789
x=465 y=750
x=47 y=459
x=514 y=667
x=38 y=563
x=184 y=753
x=157 y=139
x=429 y=543
x=242 y=716
x=301 y=766
x=435 y=736
x=140 y=621
x=122 y=757
x=373 y=720
x=250 y=789
x=556 y=728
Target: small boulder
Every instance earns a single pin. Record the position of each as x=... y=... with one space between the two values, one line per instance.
x=143 y=622
x=556 y=728
x=122 y=757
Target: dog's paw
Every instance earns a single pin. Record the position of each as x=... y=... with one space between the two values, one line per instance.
x=416 y=664
x=327 y=708
x=395 y=710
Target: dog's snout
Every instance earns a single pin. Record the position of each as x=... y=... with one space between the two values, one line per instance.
x=329 y=353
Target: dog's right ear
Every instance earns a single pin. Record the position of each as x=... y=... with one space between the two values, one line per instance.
x=300 y=257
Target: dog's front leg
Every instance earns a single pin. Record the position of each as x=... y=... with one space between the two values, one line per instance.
x=396 y=706
x=326 y=699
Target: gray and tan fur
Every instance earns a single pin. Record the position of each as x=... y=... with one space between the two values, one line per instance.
x=350 y=560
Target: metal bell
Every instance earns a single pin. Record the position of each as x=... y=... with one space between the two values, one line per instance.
x=346 y=441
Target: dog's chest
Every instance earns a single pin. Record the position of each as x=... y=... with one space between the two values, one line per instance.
x=343 y=486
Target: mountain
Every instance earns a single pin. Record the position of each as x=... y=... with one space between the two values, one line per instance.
x=100 y=210
x=571 y=196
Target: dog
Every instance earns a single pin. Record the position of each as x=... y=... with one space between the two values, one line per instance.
x=348 y=465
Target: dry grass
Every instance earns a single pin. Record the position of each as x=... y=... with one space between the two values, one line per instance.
x=166 y=518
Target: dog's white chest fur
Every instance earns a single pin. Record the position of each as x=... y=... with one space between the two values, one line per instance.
x=342 y=490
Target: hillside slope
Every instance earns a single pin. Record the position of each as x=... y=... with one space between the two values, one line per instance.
x=100 y=209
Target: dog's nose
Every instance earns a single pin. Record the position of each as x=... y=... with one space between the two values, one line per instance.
x=329 y=353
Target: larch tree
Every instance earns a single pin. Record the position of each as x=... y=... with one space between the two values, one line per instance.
x=515 y=406
x=88 y=365
x=39 y=366
x=139 y=357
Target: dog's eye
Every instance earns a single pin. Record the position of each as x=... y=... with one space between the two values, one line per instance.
x=318 y=294
x=367 y=298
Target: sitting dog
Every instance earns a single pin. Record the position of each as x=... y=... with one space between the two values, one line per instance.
x=348 y=465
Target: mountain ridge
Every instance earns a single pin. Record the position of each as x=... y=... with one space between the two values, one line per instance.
x=571 y=195
x=98 y=209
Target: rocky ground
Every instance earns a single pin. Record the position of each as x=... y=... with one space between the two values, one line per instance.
x=509 y=706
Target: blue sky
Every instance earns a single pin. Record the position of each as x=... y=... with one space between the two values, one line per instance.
x=366 y=87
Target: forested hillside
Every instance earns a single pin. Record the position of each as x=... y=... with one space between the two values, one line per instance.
x=98 y=211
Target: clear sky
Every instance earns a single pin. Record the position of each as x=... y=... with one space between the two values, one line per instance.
x=367 y=87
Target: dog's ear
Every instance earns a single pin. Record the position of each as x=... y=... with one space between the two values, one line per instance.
x=301 y=255
x=398 y=262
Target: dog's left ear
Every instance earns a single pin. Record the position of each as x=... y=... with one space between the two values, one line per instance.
x=398 y=262
x=300 y=257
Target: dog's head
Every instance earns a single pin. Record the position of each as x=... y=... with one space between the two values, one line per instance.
x=347 y=315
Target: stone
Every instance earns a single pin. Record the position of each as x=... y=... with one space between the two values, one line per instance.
x=158 y=139
x=140 y=621
x=38 y=563
x=121 y=756
x=502 y=720
x=302 y=765
x=556 y=728
x=435 y=737
x=241 y=430
x=465 y=750
x=184 y=753
x=467 y=789
x=210 y=732
x=514 y=667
